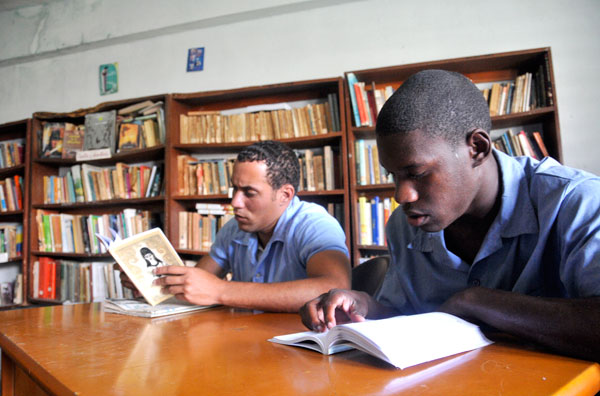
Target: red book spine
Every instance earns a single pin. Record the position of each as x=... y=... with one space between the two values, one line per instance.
x=360 y=102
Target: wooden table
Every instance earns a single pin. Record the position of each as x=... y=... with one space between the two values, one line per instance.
x=80 y=350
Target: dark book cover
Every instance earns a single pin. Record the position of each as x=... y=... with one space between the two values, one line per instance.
x=52 y=140
x=72 y=140
x=85 y=234
x=100 y=131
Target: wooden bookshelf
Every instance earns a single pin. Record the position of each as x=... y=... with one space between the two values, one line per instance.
x=482 y=70
x=12 y=265
x=42 y=166
x=226 y=100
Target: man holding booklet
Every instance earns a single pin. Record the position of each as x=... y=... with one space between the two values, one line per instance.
x=280 y=250
x=510 y=243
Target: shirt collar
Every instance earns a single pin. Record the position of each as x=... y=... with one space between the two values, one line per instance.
x=516 y=216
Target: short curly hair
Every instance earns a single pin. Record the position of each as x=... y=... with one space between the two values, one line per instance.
x=438 y=102
x=283 y=166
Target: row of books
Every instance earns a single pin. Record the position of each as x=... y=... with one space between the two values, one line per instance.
x=198 y=230
x=529 y=91
x=203 y=176
x=372 y=217
x=368 y=169
x=91 y=183
x=366 y=103
x=278 y=121
x=139 y=125
x=74 y=233
x=317 y=169
x=12 y=153
x=73 y=281
x=11 y=292
x=11 y=241
x=11 y=193
x=522 y=143
x=336 y=210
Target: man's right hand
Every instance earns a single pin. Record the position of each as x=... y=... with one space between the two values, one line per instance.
x=335 y=307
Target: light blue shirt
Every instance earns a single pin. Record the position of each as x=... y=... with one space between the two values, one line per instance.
x=545 y=241
x=303 y=230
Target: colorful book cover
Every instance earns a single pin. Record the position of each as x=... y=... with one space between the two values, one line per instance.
x=72 y=140
x=351 y=78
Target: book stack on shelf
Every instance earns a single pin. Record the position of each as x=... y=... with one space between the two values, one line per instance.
x=261 y=122
x=199 y=229
x=141 y=125
x=529 y=91
x=11 y=241
x=12 y=153
x=76 y=282
x=317 y=169
x=210 y=128
x=75 y=233
x=373 y=216
x=530 y=108
x=89 y=182
x=366 y=103
x=14 y=204
x=203 y=176
x=11 y=194
x=368 y=169
x=522 y=143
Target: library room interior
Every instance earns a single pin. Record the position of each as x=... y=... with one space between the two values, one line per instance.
x=292 y=197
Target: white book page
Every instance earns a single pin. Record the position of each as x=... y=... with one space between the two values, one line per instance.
x=414 y=339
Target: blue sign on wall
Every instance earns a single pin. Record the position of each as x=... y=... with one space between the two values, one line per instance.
x=195 y=60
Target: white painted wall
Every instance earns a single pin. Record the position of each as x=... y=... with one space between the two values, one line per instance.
x=49 y=55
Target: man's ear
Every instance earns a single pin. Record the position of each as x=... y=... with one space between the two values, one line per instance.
x=480 y=146
x=286 y=193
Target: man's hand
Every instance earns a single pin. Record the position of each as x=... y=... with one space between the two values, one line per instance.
x=126 y=282
x=191 y=284
x=334 y=307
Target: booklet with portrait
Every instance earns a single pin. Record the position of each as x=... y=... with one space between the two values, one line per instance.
x=138 y=256
x=402 y=341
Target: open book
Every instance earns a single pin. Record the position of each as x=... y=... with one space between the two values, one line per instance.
x=138 y=307
x=402 y=341
x=139 y=255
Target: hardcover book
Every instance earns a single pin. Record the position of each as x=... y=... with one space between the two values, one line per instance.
x=100 y=130
x=129 y=136
x=72 y=140
x=52 y=139
x=402 y=341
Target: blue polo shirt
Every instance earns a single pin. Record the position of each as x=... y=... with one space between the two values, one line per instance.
x=545 y=241
x=303 y=229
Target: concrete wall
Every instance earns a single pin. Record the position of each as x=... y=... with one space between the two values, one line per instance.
x=49 y=54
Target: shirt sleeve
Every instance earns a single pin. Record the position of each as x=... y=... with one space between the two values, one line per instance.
x=578 y=230
x=319 y=232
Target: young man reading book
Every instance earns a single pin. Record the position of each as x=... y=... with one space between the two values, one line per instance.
x=281 y=251
x=511 y=243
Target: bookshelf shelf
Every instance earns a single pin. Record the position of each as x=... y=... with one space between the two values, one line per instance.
x=14 y=165
x=210 y=197
x=112 y=203
x=66 y=215
x=190 y=252
x=71 y=255
x=484 y=71
x=254 y=100
x=373 y=248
